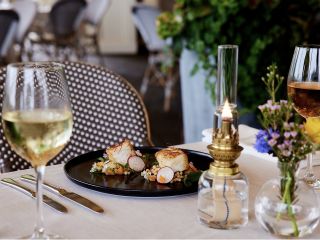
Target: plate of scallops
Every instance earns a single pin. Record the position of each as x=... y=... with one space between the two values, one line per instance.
x=123 y=169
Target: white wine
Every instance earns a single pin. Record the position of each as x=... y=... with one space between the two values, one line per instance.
x=37 y=135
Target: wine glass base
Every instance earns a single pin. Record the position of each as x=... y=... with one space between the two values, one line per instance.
x=311 y=179
x=46 y=236
x=313 y=182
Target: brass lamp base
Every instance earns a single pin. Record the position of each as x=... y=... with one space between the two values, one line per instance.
x=224 y=160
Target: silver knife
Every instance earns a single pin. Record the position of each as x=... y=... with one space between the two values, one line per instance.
x=49 y=201
x=70 y=195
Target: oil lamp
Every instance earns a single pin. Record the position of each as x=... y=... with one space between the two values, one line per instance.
x=223 y=189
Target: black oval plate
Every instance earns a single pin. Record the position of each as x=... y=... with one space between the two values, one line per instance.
x=77 y=170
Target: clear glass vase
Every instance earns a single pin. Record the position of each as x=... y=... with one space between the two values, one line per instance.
x=286 y=206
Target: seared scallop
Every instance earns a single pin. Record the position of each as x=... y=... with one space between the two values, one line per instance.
x=174 y=158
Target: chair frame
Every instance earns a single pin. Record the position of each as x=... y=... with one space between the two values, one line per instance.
x=152 y=71
x=60 y=44
x=4 y=60
x=94 y=37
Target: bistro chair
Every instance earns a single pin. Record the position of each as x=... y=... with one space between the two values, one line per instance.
x=27 y=10
x=61 y=32
x=9 y=20
x=94 y=14
x=144 y=17
x=106 y=109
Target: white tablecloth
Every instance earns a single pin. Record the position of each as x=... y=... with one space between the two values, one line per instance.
x=130 y=217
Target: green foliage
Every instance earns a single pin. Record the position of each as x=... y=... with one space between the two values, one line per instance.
x=266 y=31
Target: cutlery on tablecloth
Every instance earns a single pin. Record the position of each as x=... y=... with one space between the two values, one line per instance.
x=49 y=201
x=70 y=195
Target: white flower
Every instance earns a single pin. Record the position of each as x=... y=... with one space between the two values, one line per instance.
x=178 y=18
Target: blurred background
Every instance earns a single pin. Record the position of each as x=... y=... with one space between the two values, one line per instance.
x=121 y=49
x=165 y=48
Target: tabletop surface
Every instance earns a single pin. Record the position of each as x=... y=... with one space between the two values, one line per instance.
x=130 y=217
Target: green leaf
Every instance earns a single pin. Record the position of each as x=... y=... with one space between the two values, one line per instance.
x=102 y=159
x=149 y=160
x=192 y=178
x=195 y=69
x=200 y=46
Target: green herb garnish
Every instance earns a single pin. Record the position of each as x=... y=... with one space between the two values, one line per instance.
x=102 y=159
x=192 y=178
x=149 y=159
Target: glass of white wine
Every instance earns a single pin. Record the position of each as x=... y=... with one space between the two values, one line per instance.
x=304 y=91
x=37 y=119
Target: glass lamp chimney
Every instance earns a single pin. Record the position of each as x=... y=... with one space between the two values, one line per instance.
x=227 y=79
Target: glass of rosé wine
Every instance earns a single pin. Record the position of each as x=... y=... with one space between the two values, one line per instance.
x=304 y=90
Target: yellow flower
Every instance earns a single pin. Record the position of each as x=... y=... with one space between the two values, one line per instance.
x=312 y=127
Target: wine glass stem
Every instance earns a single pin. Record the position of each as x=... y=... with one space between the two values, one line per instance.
x=39 y=228
x=309 y=176
x=310 y=163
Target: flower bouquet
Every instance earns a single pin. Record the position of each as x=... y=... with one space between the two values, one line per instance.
x=283 y=135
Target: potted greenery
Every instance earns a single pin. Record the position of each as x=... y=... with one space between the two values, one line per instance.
x=265 y=30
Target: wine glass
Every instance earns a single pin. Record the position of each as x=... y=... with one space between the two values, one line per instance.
x=37 y=119
x=304 y=90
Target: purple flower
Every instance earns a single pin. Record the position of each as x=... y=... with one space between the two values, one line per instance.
x=294 y=134
x=269 y=103
x=262 y=107
x=262 y=139
x=275 y=107
x=282 y=136
x=287 y=134
x=275 y=135
x=272 y=142
x=286 y=153
x=287 y=143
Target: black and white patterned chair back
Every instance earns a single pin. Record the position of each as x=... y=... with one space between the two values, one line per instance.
x=106 y=109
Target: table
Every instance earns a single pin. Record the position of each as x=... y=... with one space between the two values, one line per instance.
x=131 y=217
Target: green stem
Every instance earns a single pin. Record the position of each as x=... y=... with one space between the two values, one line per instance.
x=273 y=94
x=287 y=200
